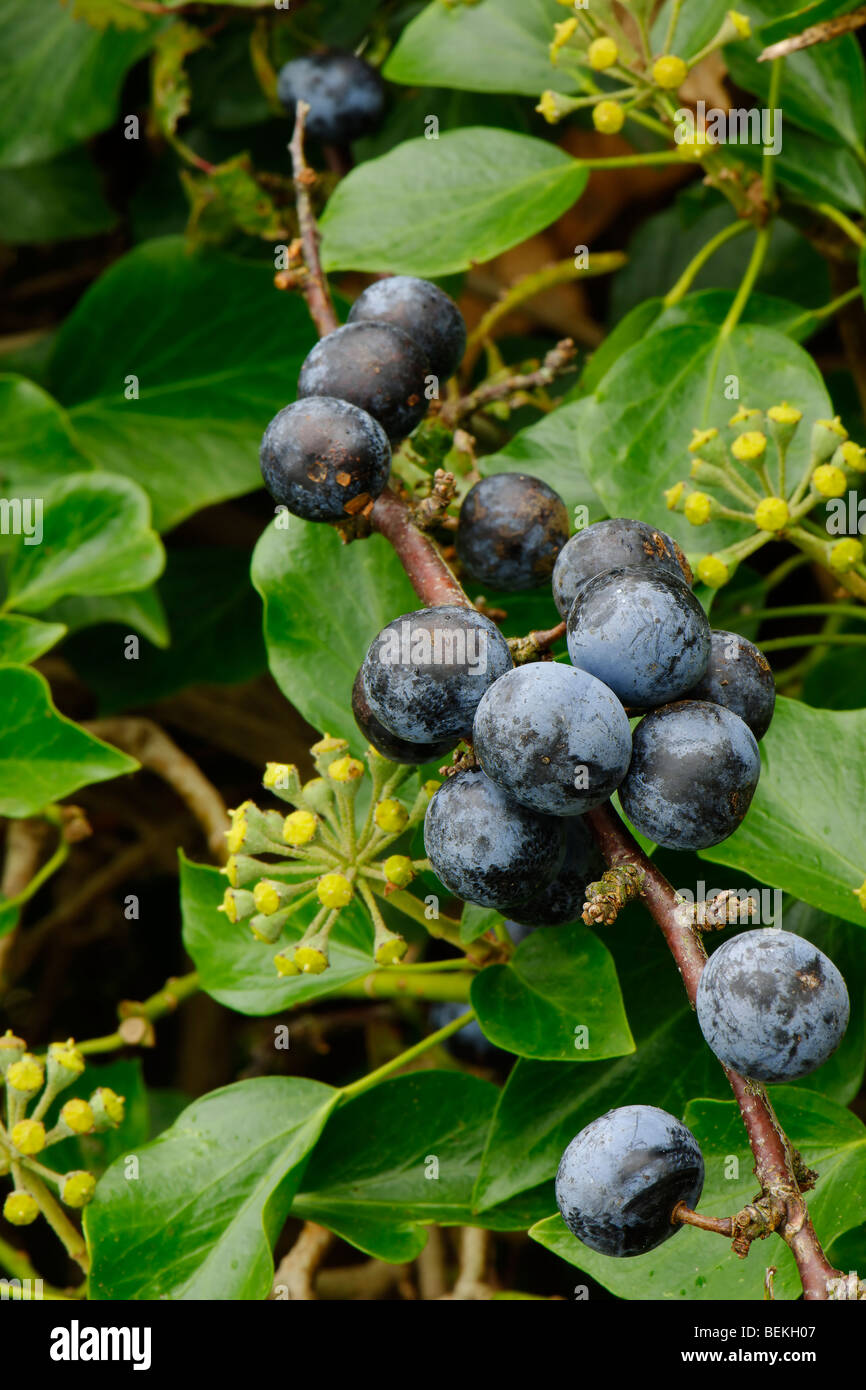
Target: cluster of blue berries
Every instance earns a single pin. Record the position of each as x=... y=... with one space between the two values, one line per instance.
x=346 y=96
x=362 y=389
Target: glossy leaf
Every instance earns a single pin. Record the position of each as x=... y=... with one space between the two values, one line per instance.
x=57 y=200
x=557 y=999
x=804 y=830
x=248 y=1143
x=22 y=640
x=43 y=755
x=36 y=440
x=551 y=449
x=475 y=192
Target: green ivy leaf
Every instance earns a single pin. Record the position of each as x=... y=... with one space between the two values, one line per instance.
x=441 y=48
x=239 y=971
x=557 y=982
x=44 y=756
x=36 y=440
x=838 y=681
x=142 y=611
x=246 y=1143
x=475 y=921
x=544 y=1104
x=96 y=539
x=475 y=192
x=398 y=1158
x=324 y=603
x=22 y=640
x=634 y=441
x=60 y=78
x=171 y=89
x=224 y=358
x=804 y=830
x=695 y=1266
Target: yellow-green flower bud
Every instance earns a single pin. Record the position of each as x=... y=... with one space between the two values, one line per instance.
x=771 y=514
x=608 y=117
x=310 y=960
x=389 y=947
x=64 y=1065
x=431 y=787
x=850 y=455
x=299 y=828
x=108 y=1108
x=827 y=435
x=78 y=1116
x=829 y=481
x=318 y=795
x=243 y=868
x=26 y=1076
x=698 y=508
x=283 y=779
x=285 y=965
x=77 y=1188
x=391 y=816
x=784 y=414
x=846 y=555
x=238 y=904
x=713 y=572
x=12 y=1049
x=28 y=1137
x=749 y=447
x=20 y=1209
x=860 y=894
x=346 y=769
x=327 y=751
x=553 y=106
x=673 y=496
x=669 y=72
x=561 y=34
x=602 y=53
x=398 y=870
x=266 y=896
x=334 y=891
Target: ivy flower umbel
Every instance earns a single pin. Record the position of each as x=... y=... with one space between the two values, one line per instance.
x=292 y=875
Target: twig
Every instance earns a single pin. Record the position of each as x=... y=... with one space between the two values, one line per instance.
x=313 y=284
x=154 y=749
x=430 y=576
x=295 y=1273
x=558 y=360
x=818 y=33
x=535 y=645
x=471 y=1284
x=683 y=1215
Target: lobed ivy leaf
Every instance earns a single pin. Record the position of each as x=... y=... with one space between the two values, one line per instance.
x=215 y=352
x=324 y=603
x=696 y=1266
x=96 y=539
x=43 y=755
x=804 y=830
x=140 y=610
x=56 y=200
x=441 y=46
x=475 y=192
x=559 y=982
x=37 y=443
x=22 y=640
x=210 y=1198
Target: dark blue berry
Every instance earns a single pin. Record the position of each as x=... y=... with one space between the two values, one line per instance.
x=375 y=366
x=562 y=899
x=621 y=1177
x=324 y=459
x=345 y=95
x=738 y=676
x=425 y=673
x=511 y=529
x=487 y=848
x=694 y=770
x=426 y=313
x=398 y=750
x=642 y=632
x=609 y=545
x=555 y=738
x=771 y=1005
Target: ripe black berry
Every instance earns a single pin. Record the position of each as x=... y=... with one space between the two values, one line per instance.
x=739 y=677
x=485 y=846
x=425 y=673
x=511 y=529
x=426 y=313
x=345 y=95
x=324 y=459
x=609 y=545
x=621 y=1177
x=375 y=366
x=694 y=770
x=398 y=750
x=562 y=899
x=771 y=1005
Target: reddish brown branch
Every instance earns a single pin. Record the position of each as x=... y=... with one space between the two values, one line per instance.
x=432 y=579
x=313 y=285
x=558 y=360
